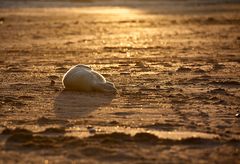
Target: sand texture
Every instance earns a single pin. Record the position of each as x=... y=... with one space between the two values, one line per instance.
x=175 y=64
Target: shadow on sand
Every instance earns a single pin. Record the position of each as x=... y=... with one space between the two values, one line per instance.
x=72 y=104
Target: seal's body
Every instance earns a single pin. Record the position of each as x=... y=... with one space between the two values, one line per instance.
x=83 y=78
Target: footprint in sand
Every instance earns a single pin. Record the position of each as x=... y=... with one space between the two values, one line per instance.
x=83 y=78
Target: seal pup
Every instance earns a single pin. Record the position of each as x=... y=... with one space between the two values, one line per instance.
x=84 y=78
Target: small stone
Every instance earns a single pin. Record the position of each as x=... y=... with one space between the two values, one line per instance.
x=114 y=122
x=158 y=86
x=237 y=115
x=125 y=73
x=183 y=69
x=140 y=64
x=76 y=22
x=91 y=129
x=2 y=20
x=52 y=82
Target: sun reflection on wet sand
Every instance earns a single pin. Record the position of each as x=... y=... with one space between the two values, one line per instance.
x=106 y=10
x=82 y=132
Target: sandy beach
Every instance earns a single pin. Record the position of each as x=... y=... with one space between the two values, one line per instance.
x=175 y=64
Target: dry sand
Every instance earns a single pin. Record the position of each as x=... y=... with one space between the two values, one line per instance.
x=175 y=64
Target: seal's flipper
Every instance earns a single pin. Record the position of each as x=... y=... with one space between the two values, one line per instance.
x=105 y=87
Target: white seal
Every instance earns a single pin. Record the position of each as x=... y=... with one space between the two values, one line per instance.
x=83 y=78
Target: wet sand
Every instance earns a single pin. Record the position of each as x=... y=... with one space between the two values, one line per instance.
x=175 y=65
